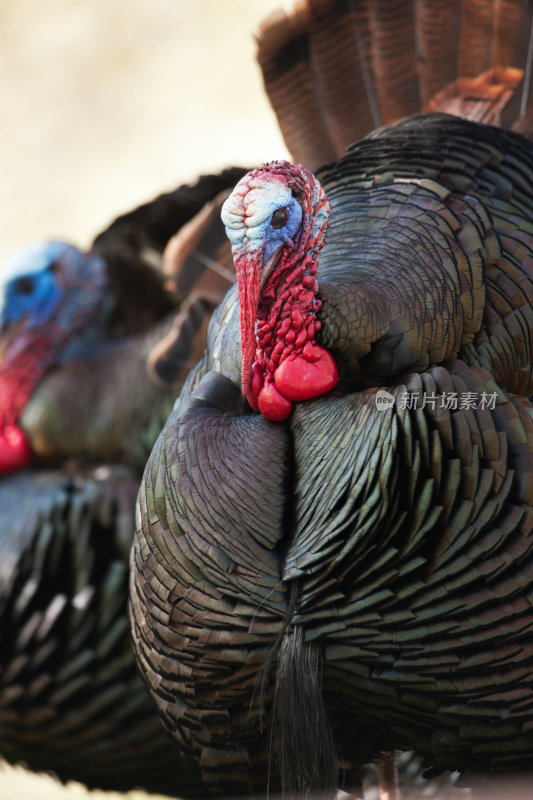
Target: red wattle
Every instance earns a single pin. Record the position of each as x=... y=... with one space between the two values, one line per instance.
x=306 y=376
x=272 y=404
x=15 y=451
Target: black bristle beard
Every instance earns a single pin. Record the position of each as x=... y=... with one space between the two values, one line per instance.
x=303 y=740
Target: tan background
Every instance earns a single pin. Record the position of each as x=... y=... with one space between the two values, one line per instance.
x=102 y=106
x=105 y=104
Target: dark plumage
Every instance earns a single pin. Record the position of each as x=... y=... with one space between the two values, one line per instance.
x=71 y=700
x=365 y=563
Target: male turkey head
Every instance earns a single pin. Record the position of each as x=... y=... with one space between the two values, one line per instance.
x=276 y=219
x=51 y=291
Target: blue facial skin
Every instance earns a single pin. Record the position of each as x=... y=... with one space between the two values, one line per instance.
x=274 y=237
x=251 y=218
x=33 y=291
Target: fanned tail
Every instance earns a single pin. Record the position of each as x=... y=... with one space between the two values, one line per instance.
x=334 y=70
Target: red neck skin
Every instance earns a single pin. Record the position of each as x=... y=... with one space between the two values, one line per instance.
x=287 y=326
x=29 y=352
x=27 y=359
x=289 y=366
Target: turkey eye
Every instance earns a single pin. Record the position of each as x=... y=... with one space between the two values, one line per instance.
x=279 y=218
x=24 y=285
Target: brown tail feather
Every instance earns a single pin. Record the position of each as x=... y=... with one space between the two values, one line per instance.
x=283 y=58
x=198 y=258
x=172 y=358
x=394 y=66
x=475 y=50
x=338 y=48
x=336 y=69
x=199 y=267
x=512 y=35
x=491 y=97
x=437 y=30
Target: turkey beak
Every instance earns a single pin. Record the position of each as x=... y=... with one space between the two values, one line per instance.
x=248 y=280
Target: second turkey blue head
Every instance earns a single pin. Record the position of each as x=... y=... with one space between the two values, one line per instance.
x=40 y=278
x=31 y=290
x=52 y=295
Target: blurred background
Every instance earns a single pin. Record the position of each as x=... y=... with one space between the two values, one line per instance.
x=103 y=106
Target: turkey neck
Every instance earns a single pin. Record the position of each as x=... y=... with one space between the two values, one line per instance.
x=22 y=367
x=29 y=354
x=117 y=416
x=25 y=362
x=287 y=324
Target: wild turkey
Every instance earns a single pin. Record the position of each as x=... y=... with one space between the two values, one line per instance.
x=79 y=408
x=308 y=594
x=92 y=317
